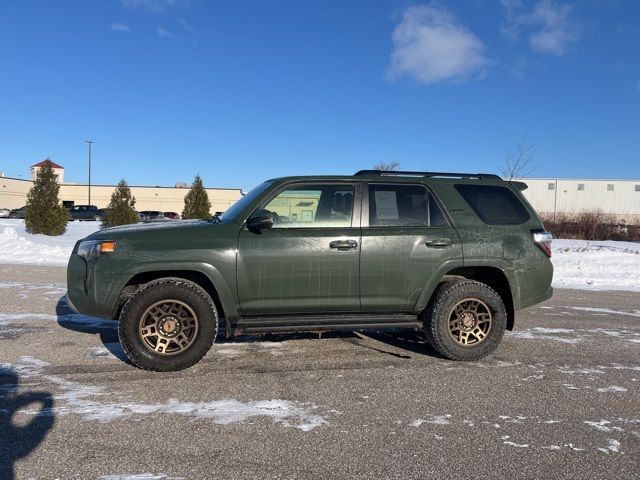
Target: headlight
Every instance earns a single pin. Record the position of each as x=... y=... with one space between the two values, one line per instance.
x=92 y=249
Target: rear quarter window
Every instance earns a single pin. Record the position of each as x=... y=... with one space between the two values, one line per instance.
x=494 y=205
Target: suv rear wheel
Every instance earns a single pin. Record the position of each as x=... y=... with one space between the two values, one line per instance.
x=465 y=320
x=168 y=325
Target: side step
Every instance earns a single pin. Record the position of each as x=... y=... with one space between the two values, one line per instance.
x=320 y=323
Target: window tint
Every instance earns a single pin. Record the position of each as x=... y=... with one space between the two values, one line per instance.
x=403 y=205
x=311 y=206
x=494 y=205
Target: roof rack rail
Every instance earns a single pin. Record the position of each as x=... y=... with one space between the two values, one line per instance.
x=401 y=173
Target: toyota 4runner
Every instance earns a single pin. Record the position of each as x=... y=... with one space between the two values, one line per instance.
x=452 y=254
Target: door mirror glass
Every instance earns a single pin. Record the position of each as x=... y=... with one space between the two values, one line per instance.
x=260 y=220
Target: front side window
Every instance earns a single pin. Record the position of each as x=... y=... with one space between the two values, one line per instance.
x=311 y=206
x=403 y=205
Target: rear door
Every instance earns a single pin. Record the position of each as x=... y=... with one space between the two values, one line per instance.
x=405 y=237
x=308 y=261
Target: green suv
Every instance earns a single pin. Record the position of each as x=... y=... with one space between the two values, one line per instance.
x=451 y=254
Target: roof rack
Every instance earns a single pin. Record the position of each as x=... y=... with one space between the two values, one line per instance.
x=400 y=173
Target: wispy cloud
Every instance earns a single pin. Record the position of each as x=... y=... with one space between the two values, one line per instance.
x=550 y=26
x=163 y=32
x=431 y=46
x=154 y=6
x=186 y=25
x=120 y=27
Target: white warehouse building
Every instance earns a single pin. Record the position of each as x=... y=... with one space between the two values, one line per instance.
x=567 y=195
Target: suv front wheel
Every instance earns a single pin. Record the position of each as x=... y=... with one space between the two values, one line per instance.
x=465 y=320
x=168 y=325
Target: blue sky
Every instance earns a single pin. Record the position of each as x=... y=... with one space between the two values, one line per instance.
x=242 y=91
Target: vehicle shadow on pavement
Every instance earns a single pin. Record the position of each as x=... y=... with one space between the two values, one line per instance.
x=406 y=340
x=18 y=440
x=107 y=330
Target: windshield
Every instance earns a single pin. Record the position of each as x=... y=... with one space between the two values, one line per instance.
x=234 y=210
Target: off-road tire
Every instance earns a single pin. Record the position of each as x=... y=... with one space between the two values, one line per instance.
x=436 y=319
x=155 y=291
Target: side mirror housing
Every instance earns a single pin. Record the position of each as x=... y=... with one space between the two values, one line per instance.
x=257 y=223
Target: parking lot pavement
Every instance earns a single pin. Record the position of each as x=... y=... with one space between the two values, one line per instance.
x=559 y=398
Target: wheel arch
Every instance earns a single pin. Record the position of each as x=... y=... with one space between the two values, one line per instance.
x=493 y=277
x=205 y=276
x=490 y=275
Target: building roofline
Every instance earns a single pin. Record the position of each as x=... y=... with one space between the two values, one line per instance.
x=45 y=161
x=574 y=179
x=114 y=186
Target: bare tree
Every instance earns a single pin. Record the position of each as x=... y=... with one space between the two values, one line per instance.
x=387 y=167
x=519 y=163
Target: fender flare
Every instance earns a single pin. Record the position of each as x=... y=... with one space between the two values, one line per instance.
x=222 y=288
x=445 y=267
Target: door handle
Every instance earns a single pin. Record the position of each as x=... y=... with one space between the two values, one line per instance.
x=438 y=242
x=343 y=245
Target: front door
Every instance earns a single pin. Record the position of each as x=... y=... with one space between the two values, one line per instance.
x=405 y=238
x=308 y=262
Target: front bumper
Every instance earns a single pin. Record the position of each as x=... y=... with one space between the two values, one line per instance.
x=91 y=289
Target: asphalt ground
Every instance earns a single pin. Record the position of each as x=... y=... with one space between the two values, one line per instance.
x=558 y=399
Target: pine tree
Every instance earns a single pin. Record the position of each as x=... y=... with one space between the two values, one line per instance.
x=196 y=202
x=44 y=213
x=120 y=210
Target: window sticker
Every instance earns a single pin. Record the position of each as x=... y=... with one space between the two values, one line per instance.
x=386 y=205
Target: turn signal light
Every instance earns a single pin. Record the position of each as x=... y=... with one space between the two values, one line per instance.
x=107 y=246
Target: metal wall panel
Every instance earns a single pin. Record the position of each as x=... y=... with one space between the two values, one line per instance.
x=566 y=197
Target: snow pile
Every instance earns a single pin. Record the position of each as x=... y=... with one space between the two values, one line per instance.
x=17 y=246
x=596 y=265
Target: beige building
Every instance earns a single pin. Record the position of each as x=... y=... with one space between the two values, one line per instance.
x=58 y=171
x=13 y=194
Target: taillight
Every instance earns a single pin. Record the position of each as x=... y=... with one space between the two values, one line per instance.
x=543 y=240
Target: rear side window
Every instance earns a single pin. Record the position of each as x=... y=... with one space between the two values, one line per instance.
x=494 y=205
x=403 y=205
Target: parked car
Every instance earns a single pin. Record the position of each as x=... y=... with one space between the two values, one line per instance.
x=86 y=212
x=171 y=215
x=452 y=254
x=150 y=215
x=4 y=212
x=18 y=212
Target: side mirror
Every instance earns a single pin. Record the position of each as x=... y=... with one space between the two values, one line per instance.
x=257 y=223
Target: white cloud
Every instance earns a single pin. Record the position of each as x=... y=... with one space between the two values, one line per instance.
x=154 y=6
x=551 y=30
x=431 y=46
x=186 y=25
x=120 y=27
x=163 y=32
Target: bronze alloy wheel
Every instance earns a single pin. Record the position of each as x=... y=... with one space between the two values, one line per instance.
x=470 y=321
x=168 y=327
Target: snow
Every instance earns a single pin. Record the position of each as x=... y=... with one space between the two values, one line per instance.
x=17 y=246
x=596 y=265
x=578 y=264
x=80 y=399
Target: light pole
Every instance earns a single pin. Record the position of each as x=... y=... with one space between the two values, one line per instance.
x=89 y=142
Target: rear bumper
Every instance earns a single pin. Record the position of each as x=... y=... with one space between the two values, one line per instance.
x=527 y=302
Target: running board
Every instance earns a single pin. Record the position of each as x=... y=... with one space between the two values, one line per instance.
x=320 y=323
